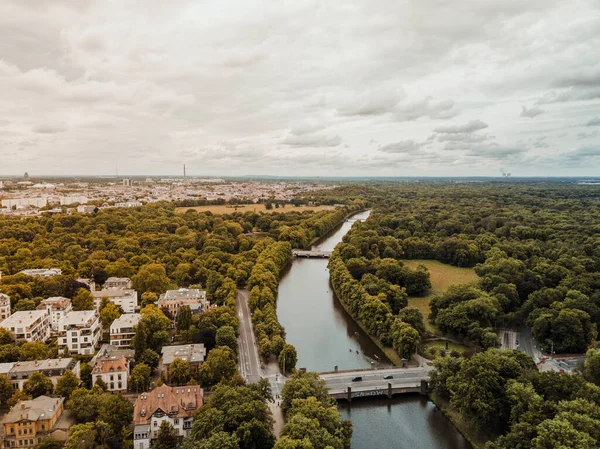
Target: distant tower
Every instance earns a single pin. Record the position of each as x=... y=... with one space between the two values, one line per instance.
x=184 y=174
x=26 y=175
x=127 y=182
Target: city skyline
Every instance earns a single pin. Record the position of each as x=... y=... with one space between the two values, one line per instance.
x=305 y=88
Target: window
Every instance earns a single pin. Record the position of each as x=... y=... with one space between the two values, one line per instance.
x=155 y=424
x=43 y=426
x=176 y=421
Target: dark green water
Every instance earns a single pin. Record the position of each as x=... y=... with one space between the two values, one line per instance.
x=325 y=336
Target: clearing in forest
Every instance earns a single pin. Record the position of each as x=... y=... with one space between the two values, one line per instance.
x=232 y=208
x=442 y=276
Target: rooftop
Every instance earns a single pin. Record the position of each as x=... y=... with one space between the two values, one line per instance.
x=184 y=293
x=57 y=302
x=108 y=350
x=191 y=353
x=81 y=317
x=111 y=365
x=44 y=365
x=126 y=320
x=23 y=318
x=40 y=408
x=113 y=293
x=176 y=401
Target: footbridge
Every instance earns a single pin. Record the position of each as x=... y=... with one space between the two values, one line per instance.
x=312 y=254
x=380 y=382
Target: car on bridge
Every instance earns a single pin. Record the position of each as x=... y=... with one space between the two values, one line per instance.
x=357 y=379
x=388 y=376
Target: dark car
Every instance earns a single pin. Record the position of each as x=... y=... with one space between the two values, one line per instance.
x=388 y=376
x=357 y=379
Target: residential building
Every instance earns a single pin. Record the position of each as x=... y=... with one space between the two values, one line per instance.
x=129 y=204
x=114 y=372
x=80 y=332
x=67 y=200
x=28 y=422
x=89 y=282
x=4 y=306
x=86 y=208
x=172 y=300
x=107 y=351
x=22 y=203
x=120 y=283
x=194 y=354
x=28 y=325
x=19 y=372
x=175 y=405
x=122 y=329
x=126 y=299
x=57 y=307
x=43 y=272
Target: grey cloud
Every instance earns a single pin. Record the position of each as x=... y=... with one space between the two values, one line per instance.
x=531 y=112
x=593 y=122
x=586 y=135
x=312 y=140
x=471 y=127
x=404 y=146
x=307 y=128
x=495 y=151
x=571 y=94
x=584 y=153
x=49 y=128
x=462 y=137
x=426 y=108
x=374 y=102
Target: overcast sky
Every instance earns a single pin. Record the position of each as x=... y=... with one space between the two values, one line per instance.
x=373 y=87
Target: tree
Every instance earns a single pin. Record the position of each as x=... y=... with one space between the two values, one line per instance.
x=108 y=314
x=6 y=391
x=49 y=443
x=85 y=373
x=226 y=337
x=38 y=384
x=150 y=358
x=167 y=437
x=140 y=339
x=406 y=339
x=184 y=318
x=116 y=411
x=83 y=300
x=67 y=383
x=221 y=440
x=219 y=364
x=413 y=316
x=100 y=384
x=17 y=397
x=6 y=336
x=179 y=372
x=592 y=366
x=140 y=377
x=152 y=278
x=149 y=298
x=287 y=359
x=33 y=351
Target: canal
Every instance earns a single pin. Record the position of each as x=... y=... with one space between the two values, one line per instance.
x=325 y=336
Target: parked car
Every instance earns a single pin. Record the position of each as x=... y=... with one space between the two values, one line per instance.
x=388 y=376
x=357 y=379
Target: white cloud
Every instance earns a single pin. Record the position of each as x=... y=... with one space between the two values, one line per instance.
x=471 y=127
x=531 y=112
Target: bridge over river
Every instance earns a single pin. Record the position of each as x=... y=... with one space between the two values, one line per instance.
x=312 y=254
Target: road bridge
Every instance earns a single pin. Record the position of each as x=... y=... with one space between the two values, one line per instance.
x=374 y=382
x=312 y=254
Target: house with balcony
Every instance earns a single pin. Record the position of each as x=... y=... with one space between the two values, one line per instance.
x=57 y=307
x=173 y=300
x=173 y=404
x=126 y=299
x=4 y=306
x=28 y=422
x=122 y=329
x=79 y=332
x=28 y=325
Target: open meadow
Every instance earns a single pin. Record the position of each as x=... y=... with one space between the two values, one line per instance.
x=221 y=209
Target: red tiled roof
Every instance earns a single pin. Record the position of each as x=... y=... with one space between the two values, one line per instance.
x=177 y=402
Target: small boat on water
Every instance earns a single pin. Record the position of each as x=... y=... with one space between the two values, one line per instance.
x=375 y=357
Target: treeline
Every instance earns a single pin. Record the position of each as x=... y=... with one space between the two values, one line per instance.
x=311 y=415
x=263 y=284
x=503 y=394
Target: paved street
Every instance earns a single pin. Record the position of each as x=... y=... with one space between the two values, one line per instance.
x=374 y=379
x=508 y=339
x=527 y=344
x=249 y=361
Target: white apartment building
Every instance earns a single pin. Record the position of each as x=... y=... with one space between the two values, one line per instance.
x=43 y=272
x=19 y=372
x=22 y=203
x=86 y=208
x=129 y=204
x=114 y=372
x=57 y=307
x=67 y=200
x=120 y=283
x=126 y=299
x=28 y=325
x=172 y=300
x=122 y=329
x=4 y=306
x=175 y=405
x=80 y=332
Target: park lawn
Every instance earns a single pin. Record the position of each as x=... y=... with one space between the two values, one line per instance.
x=442 y=276
x=442 y=344
x=221 y=209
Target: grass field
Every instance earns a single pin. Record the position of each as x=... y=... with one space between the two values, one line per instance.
x=442 y=276
x=442 y=344
x=231 y=208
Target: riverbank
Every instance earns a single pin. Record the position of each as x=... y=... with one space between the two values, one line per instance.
x=476 y=438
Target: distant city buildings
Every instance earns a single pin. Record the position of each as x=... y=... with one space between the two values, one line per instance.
x=29 y=325
x=43 y=272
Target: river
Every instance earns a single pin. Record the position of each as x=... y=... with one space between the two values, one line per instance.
x=325 y=336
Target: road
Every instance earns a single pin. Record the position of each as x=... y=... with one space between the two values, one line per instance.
x=508 y=339
x=249 y=360
x=528 y=345
x=374 y=378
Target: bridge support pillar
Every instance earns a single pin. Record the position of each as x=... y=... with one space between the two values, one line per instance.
x=389 y=393
x=424 y=387
x=349 y=397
